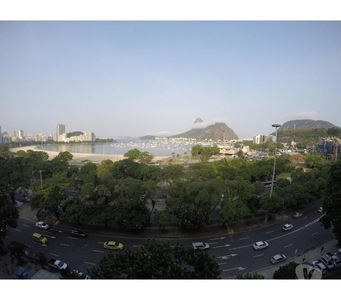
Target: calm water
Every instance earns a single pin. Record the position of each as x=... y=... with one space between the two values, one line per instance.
x=157 y=148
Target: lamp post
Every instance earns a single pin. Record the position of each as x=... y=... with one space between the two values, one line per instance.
x=273 y=172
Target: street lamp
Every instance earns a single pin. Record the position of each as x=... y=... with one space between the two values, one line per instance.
x=273 y=172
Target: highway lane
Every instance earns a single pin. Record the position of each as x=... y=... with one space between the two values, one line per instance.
x=292 y=243
x=234 y=253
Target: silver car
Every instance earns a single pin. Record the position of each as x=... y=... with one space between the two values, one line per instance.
x=201 y=245
x=42 y=225
x=260 y=245
x=278 y=258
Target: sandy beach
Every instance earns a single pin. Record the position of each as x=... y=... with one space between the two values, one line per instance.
x=79 y=157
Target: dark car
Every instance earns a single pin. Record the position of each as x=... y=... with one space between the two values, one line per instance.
x=80 y=233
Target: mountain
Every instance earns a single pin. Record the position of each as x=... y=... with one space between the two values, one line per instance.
x=305 y=124
x=217 y=131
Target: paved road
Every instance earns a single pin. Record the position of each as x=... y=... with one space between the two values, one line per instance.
x=233 y=252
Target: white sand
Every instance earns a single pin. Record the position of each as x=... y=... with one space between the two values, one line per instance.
x=79 y=157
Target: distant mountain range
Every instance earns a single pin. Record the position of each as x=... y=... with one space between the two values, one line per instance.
x=220 y=131
x=305 y=124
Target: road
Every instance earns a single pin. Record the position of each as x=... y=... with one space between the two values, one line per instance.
x=233 y=252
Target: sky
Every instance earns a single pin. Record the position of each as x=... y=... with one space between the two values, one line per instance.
x=133 y=78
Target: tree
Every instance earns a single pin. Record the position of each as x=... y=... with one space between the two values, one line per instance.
x=15 y=173
x=314 y=161
x=48 y=201
x=133 y=154
x=156 y=259
x=331 y=202
x=232 y=211
x=204 y=153
x=271 y=205
x=287 y=271
x=8 y=213
x=161 y=217
x=190 y=204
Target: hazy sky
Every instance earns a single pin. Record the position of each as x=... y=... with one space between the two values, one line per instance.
x=130 y=78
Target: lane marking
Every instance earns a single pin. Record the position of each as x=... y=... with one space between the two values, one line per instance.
x=17 y=229
x=287 y=246
x=54 y=254
x=238 y=268
x=244 y=238
x=227 y=245
x=258 y=255
x=314 y=233
x=270 y=232
x=90 y=263
x=66 y=245
x=72 y=237
x=98 y=251
x=25 y=225
x=219 y=238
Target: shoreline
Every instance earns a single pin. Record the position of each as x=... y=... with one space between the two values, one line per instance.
x=79 y=157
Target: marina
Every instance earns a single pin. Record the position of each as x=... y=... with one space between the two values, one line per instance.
x=158 y=147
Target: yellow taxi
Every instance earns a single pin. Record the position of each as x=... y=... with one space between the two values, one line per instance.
x=37 y=237
x=111 y=245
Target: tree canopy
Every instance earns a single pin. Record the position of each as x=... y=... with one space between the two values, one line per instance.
x=157 y=259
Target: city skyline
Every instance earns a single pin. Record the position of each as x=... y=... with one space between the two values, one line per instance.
x=137 y=78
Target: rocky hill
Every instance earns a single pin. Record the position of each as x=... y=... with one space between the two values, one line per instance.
x=305 y=124
x=217 y=131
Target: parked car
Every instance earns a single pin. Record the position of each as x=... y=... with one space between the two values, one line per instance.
x=80 y=233
x=319 y=265
x=42 y=225
x=297 y=215
x=320 y=210
x=338 y=253
x=260 y=245
x=112 y=245
x=201 y=245
x=327 y=262
x=278 y=258
x=57 y=264
x=287 y=227
x=335 y=259
x=37 y=237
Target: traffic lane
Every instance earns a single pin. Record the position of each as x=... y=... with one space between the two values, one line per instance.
x=269 y=232
x=289 y=244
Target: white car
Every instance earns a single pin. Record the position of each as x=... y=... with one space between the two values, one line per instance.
x=260 y=245
x=42 y=225
x=287 y=227
x=319 y=265
x=278 y=258
x=201 y=245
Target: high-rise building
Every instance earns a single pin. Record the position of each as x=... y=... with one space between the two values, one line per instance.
x=61 y=129
x=259 y=139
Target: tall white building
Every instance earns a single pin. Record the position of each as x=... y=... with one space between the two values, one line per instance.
x=259 y=139
x=60 y=133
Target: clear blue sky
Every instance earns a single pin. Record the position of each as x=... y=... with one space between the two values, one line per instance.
x=130 y=78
